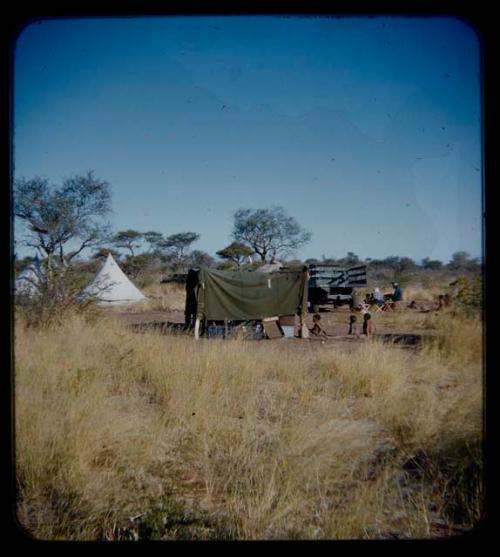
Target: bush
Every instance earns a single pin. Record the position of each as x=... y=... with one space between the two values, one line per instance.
x=469 y=292
x=55 y=299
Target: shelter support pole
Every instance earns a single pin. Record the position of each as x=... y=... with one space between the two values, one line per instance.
x=304 y=331
x=197 y=328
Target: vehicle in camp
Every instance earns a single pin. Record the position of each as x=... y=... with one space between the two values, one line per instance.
x=334 y=285
x=218 y=301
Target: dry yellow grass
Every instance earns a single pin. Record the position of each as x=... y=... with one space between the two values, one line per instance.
x=260 y=440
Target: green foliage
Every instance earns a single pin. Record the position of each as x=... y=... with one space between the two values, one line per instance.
x=23 y=263
x=57 y=217
x=178 y=244
x=199 y=258
x=432 y=264
x=154 y=239
x=128 y=239
x=349 y=260
x=136 y=264
x=103 y=253
x=170 y=520
x=55 y=299
x=469 y=292
x=271 y=233
x=236 y=252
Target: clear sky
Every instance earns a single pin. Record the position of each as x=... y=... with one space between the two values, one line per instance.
x=366 y=130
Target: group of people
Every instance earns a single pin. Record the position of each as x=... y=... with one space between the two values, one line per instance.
x=377 y=298
x=374 y=298
x=368 y=326
x=444 y=301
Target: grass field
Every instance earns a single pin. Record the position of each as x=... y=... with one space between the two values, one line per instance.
x=126 y=435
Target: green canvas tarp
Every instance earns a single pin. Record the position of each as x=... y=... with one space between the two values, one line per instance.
x=243 y=295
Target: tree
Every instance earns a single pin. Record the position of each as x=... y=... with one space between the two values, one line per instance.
x=176 y=247
x=103 y=253
x=328 y=260
x=350 y=259
x=431 y=264
x=179 y=243
x=235 y=252
x=460 y=260
x=154 y=239
x=406 y=264
x=269 y=232
x=23 y=263
x=135 y=264
x=59 y=217
x=397 y=264
x=198 y=258
x=127 y=239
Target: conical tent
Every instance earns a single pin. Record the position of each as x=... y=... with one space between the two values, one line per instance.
x=29 y=280
x=111 y=286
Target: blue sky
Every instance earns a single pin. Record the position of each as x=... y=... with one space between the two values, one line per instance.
x=366 y=130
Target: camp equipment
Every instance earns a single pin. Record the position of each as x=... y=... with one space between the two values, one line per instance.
x=213 y=295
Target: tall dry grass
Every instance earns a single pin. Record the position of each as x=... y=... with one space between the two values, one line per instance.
x=244 y=439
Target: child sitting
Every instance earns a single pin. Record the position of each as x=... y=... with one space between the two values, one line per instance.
x=368 y=326
x=353 y=326
x=317 y=329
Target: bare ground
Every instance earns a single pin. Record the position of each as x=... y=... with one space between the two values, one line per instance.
x=334 y=322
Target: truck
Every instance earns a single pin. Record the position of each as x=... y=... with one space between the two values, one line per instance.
x=333 y=284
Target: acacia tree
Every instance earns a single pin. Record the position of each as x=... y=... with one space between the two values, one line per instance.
x=154 y=239
x=235 y=252
x=176 y=247
x=127 y=239
x=102 y=253
x=432 y=264
x=199 y=258
x=58 y=218
x=269 y=232
x=350 y=259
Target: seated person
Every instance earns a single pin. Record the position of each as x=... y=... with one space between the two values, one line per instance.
x=378 y=297
x=353 y=326
x=368 y=326
x=397 y=295
x=355 y=301
x=317 y=329
x=412 y=305
x=441 y=303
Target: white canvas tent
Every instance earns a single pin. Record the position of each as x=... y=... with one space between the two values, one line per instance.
x=111 y=286
x=270 y=267
x=26 y=284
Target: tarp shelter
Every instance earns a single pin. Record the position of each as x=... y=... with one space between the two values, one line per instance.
x=244 y=296
x=111 y=286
